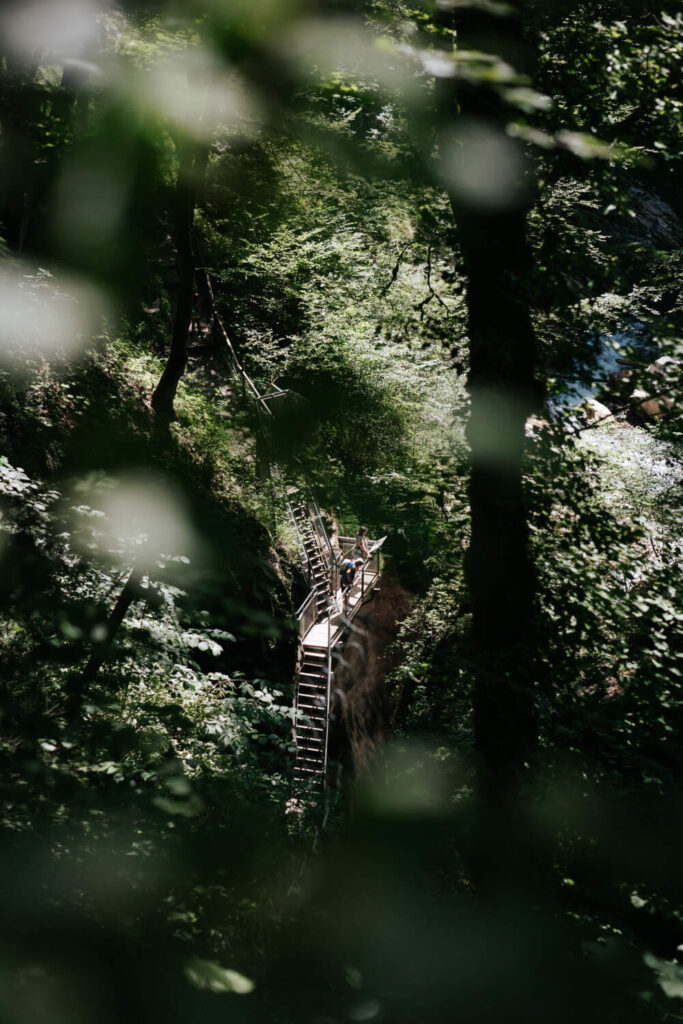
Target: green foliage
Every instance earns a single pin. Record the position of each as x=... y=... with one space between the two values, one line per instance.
x=150 y=867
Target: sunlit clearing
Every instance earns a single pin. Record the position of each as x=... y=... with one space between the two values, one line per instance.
x=496 y=427
x=46 y=316
x=133 y=518
x=195 y=93
x=344 y=45
x=482 y=167
x=59 y=28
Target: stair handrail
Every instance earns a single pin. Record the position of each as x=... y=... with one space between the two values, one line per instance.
x=329 y=691
x=303 y=554
x=309 y=607
x=307 y=614
x=332 y=561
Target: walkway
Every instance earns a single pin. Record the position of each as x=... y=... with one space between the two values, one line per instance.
x=321 y=633
x=324 y=621
x=324 y=618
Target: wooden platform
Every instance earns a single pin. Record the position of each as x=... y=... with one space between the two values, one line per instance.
x=361 y=591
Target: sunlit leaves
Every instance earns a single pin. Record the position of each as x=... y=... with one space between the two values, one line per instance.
x=45 y=315
x=206 y=974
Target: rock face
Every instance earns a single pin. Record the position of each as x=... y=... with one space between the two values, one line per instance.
x=361 y=708
x=652 y=407
x=655 y=405
x=535 y=426
x=656 y=221
x=595 y=411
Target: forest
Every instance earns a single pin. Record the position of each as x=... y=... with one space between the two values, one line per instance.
x=341 y=467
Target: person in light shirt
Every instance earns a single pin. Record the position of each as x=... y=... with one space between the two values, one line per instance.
x=361 y=549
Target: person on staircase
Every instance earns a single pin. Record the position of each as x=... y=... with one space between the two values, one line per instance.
x=361 y=549
x=349 y=569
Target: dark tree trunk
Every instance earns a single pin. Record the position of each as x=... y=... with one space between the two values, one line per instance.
x=503 y=390
x=191 y=170
x=20 y=104
x=130 y=591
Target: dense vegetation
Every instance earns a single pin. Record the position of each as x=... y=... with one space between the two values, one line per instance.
x=453 y=232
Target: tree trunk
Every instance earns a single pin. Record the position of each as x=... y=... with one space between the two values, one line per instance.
x=191 y=170
x=20 y=103
x=503 y=391
x=130 y=591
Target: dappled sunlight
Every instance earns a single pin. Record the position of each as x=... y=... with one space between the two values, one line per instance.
x=342 y=671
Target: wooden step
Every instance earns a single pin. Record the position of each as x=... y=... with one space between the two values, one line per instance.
x=312 y=712
x=314 y=721
x=310 y=749
x=310 y=741
x=310 y=761
x=308 y=778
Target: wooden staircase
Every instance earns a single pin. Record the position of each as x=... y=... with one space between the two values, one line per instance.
x=319 y=562
x=322 y=626
x=312 y=709
x=318 y=568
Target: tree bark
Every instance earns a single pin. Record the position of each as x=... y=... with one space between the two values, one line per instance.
x=20 y=103
x=503 y=391
x=191 y=170
x=129 y=593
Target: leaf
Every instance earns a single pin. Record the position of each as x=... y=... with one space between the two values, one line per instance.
x=670 y=975
x=586 y=146
x=206 y=974
x=185 y=808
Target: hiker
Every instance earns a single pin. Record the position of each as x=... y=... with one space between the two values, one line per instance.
x=361 y=549
x=349 y=569
x=195 y=326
